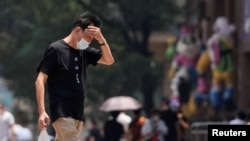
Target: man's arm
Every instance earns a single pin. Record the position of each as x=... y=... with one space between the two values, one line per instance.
x=40 y=94
x=95 y=32
x=107 y=57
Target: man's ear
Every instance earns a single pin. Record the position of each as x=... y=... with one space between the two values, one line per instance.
x=77 y=29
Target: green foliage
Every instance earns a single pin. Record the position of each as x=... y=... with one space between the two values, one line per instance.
x=30 y=26
x=128 y=26
x=133 y=21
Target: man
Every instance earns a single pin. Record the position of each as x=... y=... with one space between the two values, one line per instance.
x=170 y=118
x=136 y=125
x=63 y=68
x=125 y=120
x=154 y=128
x=113 y=130
x=182 y=126
x=7 y=122
x=239 y=119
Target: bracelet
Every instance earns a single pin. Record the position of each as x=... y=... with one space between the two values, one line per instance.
x=102 y=44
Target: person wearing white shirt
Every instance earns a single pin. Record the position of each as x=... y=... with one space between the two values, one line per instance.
x=22 y=133
x=154 y=127
x=240 y=119
x=6 y=124
x=125 y=120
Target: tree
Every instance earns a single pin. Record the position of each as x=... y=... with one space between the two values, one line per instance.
x=27 y=32
x=132 y=24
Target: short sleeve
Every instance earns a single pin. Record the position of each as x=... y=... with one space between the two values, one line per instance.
x=93 y=55
x=50 y=61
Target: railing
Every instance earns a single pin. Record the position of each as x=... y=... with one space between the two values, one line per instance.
x=198 y=130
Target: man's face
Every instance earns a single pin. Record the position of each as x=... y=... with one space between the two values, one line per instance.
x=86 y=37
x=155 y=117
x=82 y=34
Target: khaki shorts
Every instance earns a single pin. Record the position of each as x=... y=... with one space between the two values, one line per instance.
x=67 y=129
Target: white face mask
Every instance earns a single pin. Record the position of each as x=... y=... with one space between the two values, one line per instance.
x=82 y=44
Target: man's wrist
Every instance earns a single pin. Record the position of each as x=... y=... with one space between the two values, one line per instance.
x=101 y=43
x=42 y=111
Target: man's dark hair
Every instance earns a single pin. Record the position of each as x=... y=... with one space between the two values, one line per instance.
x=85 y=19
x=137 y=111
x=165 y=100
x=114 y=114
x=242 y=115
x=154 y=111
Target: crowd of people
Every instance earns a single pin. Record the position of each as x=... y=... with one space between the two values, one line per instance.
x=162 y=124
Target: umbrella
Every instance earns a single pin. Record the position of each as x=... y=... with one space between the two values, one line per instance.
x=120 y=103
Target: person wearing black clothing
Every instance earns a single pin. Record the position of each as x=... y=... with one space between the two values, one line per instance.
x=170 y=118
x=113 y=130
x=63 y=69
x=183 y=126
x=94 y=132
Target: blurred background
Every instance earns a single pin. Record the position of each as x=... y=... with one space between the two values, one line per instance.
x=139 y=33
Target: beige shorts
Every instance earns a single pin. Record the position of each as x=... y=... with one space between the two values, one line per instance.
x=67 y=129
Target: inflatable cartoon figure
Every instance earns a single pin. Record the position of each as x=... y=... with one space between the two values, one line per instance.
x=170 y=50
x=219 y=57
x=183 y=68
x=202 y=88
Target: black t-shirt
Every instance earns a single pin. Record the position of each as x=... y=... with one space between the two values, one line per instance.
x=170 y=118
x=64 y=66
x=113 y=130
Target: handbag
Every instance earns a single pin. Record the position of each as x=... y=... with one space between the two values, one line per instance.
x=44 y=136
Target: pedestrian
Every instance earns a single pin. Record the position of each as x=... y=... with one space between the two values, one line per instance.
x=7 y=122
x=135 y=126
x=63 y=69
x=239 y=119
x=154 y=129
x=113 y=130
x=125 y=120
x=169 y=116
x=95 y=133
x=183 y=126
x=22 y=133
